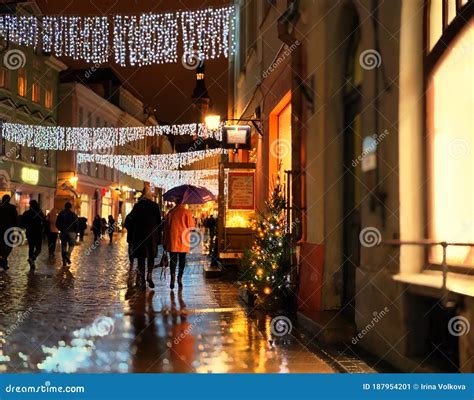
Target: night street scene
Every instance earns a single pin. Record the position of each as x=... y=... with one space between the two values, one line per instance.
x=237 y=189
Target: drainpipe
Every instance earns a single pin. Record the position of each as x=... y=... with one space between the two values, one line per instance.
x=286 y=33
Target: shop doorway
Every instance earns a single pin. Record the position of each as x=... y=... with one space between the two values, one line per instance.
x=352 y=147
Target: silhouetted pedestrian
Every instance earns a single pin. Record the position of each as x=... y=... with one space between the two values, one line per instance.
x=8 y=221
x=111 y=228
x=129 y=227
x=97 y=228
x=68 y=226
x=33 y=220
x=82 y=222
x=145 y=224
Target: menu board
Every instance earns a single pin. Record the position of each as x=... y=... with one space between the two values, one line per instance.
x=241 y=191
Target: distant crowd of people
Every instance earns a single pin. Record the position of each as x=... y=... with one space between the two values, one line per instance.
x=146 y=230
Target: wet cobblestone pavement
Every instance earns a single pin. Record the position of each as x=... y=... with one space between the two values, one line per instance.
x=91 y=318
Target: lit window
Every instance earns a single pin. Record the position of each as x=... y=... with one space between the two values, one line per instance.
x=22 y=82
x=35 y=92
x=4 y=81
x=451 y=130
x=48 y=99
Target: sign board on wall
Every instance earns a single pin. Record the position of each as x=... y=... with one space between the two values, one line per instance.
x=236 y=137
x=241 y=191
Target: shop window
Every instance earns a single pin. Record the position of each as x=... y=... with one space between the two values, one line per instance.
x=22 y=82
x=450 y=128
x=48 y=99
x=35 y=92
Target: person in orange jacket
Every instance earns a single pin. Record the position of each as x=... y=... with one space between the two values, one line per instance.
x=177 y=239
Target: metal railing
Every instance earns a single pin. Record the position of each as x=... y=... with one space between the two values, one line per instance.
x=430 y=243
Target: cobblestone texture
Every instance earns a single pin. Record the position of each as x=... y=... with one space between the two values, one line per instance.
x=91 y=318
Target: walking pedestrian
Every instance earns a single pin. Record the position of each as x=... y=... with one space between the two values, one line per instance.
x=82 y=222
x=33 y=220
x=129 y=226
x=8 y=220
x=212 y=225
x=111 y=228
x=97 y=228
x=68 y=226
x=53 y=232
x=178 y=226
x=145 y=225
x=103 y=226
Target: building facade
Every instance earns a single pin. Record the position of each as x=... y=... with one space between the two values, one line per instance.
x=99 y=102
x=364 y=108
x=29 y=85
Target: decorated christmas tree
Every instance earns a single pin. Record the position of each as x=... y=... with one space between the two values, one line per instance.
x=266 y=263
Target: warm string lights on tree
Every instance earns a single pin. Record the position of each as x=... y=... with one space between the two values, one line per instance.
x=151 y=161
x=136 y=40
x=267 y=261
x=91 y=139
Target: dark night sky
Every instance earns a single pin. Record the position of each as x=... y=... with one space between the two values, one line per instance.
x=167 y=87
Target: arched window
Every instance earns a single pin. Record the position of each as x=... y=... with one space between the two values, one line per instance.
x=450 y=127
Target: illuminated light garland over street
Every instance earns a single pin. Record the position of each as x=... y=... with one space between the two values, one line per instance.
x=89 y=139
x=137 y=40
x=152 y=161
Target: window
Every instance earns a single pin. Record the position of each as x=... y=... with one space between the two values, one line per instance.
x=4 y=79
x=33 y=154
x=48 y=99
x=46 y=158
x=35 y=92
x=89 y=119
x=22 y=82
x=450 y=127
x=441 y=14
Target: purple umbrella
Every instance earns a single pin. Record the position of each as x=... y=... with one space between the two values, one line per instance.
x=189 y=194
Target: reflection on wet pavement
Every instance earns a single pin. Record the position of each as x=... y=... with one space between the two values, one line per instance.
x=91 y=318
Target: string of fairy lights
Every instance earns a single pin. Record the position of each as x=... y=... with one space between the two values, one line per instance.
x=87 y=139
x=151 y=161
x=150 y=38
